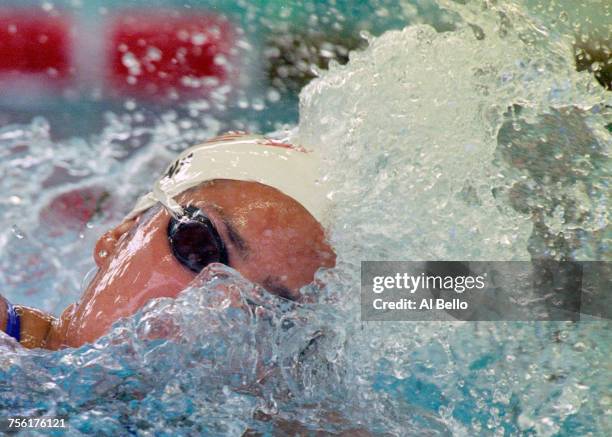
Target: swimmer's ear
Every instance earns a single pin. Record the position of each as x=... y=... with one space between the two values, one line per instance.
x=107 y=243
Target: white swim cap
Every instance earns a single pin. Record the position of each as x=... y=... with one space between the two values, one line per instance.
x=294 y=171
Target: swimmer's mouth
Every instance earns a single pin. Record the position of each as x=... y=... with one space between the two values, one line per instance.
x=194 y=240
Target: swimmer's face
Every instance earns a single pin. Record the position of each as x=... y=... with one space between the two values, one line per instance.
x=270 y=239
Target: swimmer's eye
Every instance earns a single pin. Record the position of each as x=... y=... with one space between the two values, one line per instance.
x=194 y=240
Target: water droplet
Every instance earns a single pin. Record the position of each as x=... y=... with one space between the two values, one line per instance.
x=154 y=54
x=18 y=232
x=130 y=105
x=364 y=34
x=198 y=39
x=131 y=63
x=258 y=104
x=273 y=95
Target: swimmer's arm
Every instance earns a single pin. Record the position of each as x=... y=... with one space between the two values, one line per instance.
x=35 y=324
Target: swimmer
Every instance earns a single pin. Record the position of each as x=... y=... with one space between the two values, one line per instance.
x=244 y=201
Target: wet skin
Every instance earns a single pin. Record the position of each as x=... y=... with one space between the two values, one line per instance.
x=270 y=238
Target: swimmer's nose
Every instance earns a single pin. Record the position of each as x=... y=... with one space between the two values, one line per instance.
x=107 y=243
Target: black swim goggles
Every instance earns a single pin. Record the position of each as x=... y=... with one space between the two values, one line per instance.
x=194 y=240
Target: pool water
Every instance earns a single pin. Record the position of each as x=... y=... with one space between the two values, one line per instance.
x=476 y=143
